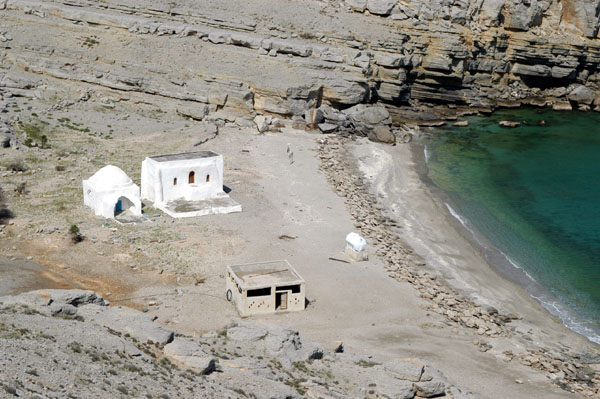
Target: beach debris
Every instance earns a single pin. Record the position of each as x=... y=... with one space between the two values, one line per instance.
x=338 y=260
x=287 y=237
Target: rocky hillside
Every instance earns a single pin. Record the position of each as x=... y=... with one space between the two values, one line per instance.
x=58 y=344
x=423 y=61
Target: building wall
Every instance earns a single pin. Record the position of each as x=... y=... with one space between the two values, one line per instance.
x=103 y=202
x=248 y=306
x=158 y=179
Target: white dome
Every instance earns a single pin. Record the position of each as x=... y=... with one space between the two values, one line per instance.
x=109 y=177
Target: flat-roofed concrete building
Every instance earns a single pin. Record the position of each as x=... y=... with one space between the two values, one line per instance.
x=187 y=184
x=265 y=287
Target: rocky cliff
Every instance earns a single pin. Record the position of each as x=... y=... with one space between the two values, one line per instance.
x=424 y=61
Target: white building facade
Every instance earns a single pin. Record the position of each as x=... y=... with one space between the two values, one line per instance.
x=188 y=184
x=110 y=192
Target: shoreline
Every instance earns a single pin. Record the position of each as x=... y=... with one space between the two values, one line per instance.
x=496 y=258
x=431 y=232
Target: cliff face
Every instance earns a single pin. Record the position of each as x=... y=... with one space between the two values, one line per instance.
x=423 y=60
x=486 y=53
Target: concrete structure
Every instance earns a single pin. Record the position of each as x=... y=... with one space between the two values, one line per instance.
x=266 y=287
x=110 y=192
x=355 y=247
x=188 y=184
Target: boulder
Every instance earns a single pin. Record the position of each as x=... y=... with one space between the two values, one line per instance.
x=248 y=332
x=582 y=95
x=330 y=114
x=509 y=123
x=405 y=369
x=429 y=389
x=368 y=114
x=433 y=383
x=523 y=15
x=461 y=123
x=314 y=116
x=490 y=12
x=345 y=92
x=328 y=127
x=562 y=106
x=357 y=5
x=381 y=7
x=262 y=123
x=382 y=134
x=189 y=354
x=392 y=388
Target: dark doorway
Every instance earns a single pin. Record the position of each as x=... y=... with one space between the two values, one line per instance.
x=208 y=178
x=123 y=204
x=191 y=178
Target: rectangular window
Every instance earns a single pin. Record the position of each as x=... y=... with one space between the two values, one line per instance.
x=294 y=288
x=259 y=292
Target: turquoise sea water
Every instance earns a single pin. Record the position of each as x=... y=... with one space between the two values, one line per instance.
x=534 y=193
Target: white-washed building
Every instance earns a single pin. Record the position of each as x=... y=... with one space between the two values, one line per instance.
x=110 y=192
x=188 y=184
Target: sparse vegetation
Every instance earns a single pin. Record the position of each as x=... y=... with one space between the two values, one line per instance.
x=34 y=133
x=90 y=41
x=17 y=166
x=365 y=363
x=75 y=234
x=5 y=213
x=21 y=188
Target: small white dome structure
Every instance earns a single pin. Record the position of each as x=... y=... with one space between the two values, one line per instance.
x=110 y=191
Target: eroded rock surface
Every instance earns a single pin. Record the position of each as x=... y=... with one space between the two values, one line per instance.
x=99 y=358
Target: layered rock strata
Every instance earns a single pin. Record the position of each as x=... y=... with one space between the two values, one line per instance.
x=423 y=61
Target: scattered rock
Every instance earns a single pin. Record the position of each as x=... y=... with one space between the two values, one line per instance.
x=382 y=134
x=582 y=95
x=405 y=369
x=190 y=354
x=262 y=123
x=247 y=333
x=328 y=127
x=368 y=114
x=509 y=124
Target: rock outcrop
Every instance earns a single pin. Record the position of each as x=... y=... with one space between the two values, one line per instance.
x=108 y=351
x=414 y=58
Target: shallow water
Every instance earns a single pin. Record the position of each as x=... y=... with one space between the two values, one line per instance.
x=534 y=192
